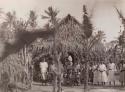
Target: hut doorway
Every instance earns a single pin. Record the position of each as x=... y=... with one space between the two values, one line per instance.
x=36 y=72
x=37 y=76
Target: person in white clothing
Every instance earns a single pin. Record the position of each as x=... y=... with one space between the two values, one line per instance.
x=43 y=68
x=122 y=73
x=111 y=72
x=103 y=78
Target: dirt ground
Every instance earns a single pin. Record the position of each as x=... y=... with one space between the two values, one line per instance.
x=36 y=87
x=39 y=88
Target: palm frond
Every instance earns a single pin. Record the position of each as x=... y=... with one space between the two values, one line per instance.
x=45 y=17
x=48 y=12
x=119 y=13
x=121 y=16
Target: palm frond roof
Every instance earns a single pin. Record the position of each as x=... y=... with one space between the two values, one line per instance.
x=69 y=29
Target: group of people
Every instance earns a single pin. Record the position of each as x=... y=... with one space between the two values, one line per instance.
x=98 y=73
x=107 y=73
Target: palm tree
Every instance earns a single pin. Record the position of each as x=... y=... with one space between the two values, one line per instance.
x=10 y=19
x=32 y=19
x=90 y=40
x=88 y=45
x=122 y=36
x=7 y=25
x=87 y=25
x=51 y=16
x=53 y=22
x=121 y=17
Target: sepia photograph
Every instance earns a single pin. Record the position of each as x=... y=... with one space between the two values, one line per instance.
x=62 y=45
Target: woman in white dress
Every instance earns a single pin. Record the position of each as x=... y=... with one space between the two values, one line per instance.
x=111 y=72
x=122 y=73
x=103 y=78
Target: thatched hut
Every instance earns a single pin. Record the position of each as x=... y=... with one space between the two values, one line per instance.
x=68 y=39
x=70 y=35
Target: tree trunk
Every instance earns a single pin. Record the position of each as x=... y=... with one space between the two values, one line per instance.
x=57 y=77
x=86 y=74
x=87 y=77
x=60 y=72
x=59 y=83
x=55 y=83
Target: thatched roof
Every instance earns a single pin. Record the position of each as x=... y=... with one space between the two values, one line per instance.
x=70 y=30
x=70 y=34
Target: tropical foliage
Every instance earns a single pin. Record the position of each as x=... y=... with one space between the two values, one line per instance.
x=69 y=36
x=121 y=38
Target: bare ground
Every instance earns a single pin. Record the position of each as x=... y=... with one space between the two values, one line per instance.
x=39 y=88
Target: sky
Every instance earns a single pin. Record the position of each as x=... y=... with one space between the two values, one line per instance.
x=102 y=12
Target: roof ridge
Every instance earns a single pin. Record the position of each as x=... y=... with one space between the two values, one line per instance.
x=68 y=18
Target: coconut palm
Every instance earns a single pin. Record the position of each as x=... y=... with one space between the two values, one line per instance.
x=121 y=17
x=32 y=19
x=88 y=46
x=7 y=25
x=122 y=36
x=51 y=16
x=10 y=19
x=88 y=29
x=87 y=25
x=53 y=21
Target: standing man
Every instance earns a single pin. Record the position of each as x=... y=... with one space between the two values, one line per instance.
x=111 y=72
